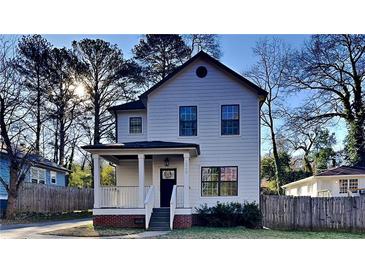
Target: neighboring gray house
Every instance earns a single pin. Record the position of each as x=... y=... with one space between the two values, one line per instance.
x=191 y=139
x=42 y=171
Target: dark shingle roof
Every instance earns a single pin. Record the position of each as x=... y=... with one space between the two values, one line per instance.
x=144 y=144
x=128 y=106
x=343 y=170
x=39 y=161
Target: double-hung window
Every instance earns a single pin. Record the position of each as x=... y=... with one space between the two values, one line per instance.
x=135 y=125
x=38 y=175
x=353 y=185
x=188 y=121
x=343 y=186
x=53 y=177
x=348 y=185
x=219 y=181
x=230 y=120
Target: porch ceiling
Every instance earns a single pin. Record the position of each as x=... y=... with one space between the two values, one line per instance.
x=145 y=147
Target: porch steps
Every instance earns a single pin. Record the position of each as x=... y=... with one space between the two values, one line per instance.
x=160 y=219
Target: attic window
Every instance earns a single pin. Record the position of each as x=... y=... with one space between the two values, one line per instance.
x=201 y=72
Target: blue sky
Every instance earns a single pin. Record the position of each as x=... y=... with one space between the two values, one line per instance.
x=237 y=54
x=237 y=49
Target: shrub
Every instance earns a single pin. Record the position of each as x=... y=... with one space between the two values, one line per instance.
x=251 y=215
x=230 y=214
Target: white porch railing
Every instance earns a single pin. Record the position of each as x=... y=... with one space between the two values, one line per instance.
x=179 y=196
x=149 y=203
x=172 y=207
x=120 y=196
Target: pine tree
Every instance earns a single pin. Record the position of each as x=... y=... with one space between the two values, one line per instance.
x=159 y=55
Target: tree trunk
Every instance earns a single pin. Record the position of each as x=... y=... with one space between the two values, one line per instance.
x=62 y=143
x=38 y=127
x=13 y=192
x=96 y=115
x=307 y=164
x=276 y=162
x=357 y=140
x=275 y=150
x=55 y=154
x=83 y=163
x=70 y=163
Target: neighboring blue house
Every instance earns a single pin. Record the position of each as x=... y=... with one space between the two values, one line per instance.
x=42 y=171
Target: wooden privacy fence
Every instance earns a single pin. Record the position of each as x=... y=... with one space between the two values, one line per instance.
x=53 y=199
x=335 y=213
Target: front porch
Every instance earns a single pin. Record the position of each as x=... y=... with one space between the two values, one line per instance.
x=147 y=178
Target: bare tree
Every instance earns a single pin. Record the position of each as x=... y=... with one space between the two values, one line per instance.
x=208 y=43
x=333 y=67
x=13 y=125
x=268 y=73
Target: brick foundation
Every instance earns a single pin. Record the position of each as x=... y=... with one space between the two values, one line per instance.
x=128 y=221
x=183 y=221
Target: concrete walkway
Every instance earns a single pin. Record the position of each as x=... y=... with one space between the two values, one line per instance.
x=145 y=235
x=31 y=231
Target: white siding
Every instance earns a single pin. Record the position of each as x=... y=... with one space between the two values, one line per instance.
x=123 y=126
x=161 y=122
x=323 y=184
x=208 y=94
x=127 y=173
x=332 y=184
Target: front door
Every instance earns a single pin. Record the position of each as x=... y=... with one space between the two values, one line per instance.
x=167 y=182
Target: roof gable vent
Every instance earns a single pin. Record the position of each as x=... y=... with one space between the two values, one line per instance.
x=201 y=72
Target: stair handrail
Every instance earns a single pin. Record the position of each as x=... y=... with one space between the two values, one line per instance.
x=149 y=203
x=172 y=206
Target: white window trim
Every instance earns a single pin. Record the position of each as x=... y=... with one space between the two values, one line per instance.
x=220 y=120
x=225 y=198
x=348 y=185
x=129 y=129
x=197 y=120
x=55 y=176
x=39 y=170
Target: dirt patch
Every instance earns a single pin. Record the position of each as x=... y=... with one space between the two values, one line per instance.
x=90 y=231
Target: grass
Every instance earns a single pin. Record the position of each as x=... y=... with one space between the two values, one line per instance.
x=26 y=218
x=90 y=231
x=244 y=233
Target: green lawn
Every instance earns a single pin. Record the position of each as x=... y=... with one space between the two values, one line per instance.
x=243 y=233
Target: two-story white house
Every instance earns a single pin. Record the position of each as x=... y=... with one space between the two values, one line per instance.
x=191 y=139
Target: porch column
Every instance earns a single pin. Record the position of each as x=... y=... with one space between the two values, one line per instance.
x=186 y=180
x=96 y=160
x=140 y=180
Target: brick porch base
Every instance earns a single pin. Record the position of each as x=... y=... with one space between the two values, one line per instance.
x=127 y=221
x=183 y=221
x=136 y=221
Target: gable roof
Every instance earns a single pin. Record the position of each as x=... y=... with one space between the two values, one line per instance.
x=208 y=58
x=38 y=161
x=202 y=55
x=129 y=106
x=337 y=171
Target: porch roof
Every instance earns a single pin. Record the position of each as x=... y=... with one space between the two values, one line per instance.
x=143 y=145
